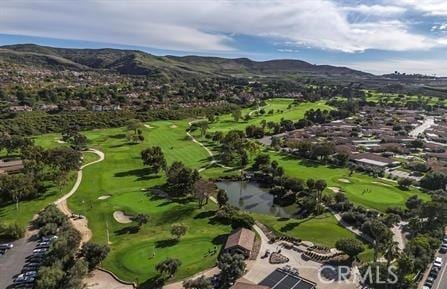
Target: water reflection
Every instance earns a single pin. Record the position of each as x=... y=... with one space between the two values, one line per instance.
x=251 y=197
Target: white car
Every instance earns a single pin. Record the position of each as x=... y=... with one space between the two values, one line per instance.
x=438 y=262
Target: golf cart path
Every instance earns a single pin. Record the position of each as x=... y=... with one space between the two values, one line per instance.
x=80 y=224
x=97 y=279
x=210 y=153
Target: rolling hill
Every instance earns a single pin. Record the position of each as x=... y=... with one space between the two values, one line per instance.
x=140 y=63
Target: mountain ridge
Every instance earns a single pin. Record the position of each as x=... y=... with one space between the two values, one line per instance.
x=136 y=62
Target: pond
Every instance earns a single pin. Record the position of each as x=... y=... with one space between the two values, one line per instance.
x=249 y=196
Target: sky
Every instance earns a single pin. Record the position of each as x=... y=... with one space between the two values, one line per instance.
x=377 y=36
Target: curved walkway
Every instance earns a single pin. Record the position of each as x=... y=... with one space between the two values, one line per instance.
x=210 y=153
x=80 y=224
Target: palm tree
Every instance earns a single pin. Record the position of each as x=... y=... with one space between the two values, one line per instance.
x=392 y=252
x=320 y=185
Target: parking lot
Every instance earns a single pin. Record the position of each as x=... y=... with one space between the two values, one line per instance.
x=21 y=261
x=12 y=262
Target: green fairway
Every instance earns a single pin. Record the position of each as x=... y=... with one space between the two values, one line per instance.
x=359 y=188
x=323 y=230
x=122 y=177
x=294 y=113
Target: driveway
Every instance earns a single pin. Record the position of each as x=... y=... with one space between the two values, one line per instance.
x=12 y=262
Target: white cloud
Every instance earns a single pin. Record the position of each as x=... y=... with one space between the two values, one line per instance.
x=422 y=66
x=376 y=10
x=211 y=25
x=429 y=7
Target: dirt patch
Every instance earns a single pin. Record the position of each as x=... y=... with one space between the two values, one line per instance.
x=148 y=126
x=334 y=189
x=121 y=217
x=345 y=181
x=104 y=197
x=173 y=126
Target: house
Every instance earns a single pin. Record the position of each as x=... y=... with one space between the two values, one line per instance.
x=240 y=241
x=372 y=160
x=10 y=166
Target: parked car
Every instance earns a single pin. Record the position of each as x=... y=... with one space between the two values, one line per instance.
x=434 y=272
x=24 y=279
x=48 y=238
x=429 y=282
x=39 y=250
x=443 y=249
x=438 y=262
x=32 y=273
x=6 y=246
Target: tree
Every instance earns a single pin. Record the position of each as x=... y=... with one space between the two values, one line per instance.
x=135 y=133
x=50 y=277
x=181 y=179
x=76 y=274
x=231 y=268
x=202 y=190
x=178 y=230
x=434 y=181
x=94 y=253
x=380 y=232
x=320 y=185
x=237 y=114
x=203 y=125
x=169 y=266
x=199 y=283
x=222 y=198
x=141 y=219
x=310 y=183
x=405 y=183
x=352 y=247
x=154 y=158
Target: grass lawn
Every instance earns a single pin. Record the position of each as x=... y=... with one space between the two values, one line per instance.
x=27 y=209
x=122 y=176
x=296 y=112
x=359 y=188
x=323 y=230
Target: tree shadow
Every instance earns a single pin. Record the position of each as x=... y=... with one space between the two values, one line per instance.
x=220 y=239
x=118 y=136
x=142 y=174
x=176 y=214
x=204 y=215
x=128 y=230
x=152 y=283
x=166 y=243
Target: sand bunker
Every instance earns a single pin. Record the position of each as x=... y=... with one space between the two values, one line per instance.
x=104 y=197
x=121 y=217
x=345 y=181
x=60 y=141
x=334 y=189
x=379 y=183
x=173 y=126
x=148 y=126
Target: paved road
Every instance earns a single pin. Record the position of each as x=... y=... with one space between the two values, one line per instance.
x=13 y=261
x=428 y=122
